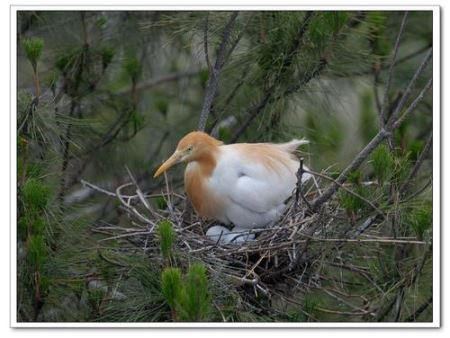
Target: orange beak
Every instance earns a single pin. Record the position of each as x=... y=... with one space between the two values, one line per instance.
x=174 y=159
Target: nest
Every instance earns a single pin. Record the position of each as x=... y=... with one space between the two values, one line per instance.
x=278 y=251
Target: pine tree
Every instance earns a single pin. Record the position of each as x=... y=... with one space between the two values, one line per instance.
x=104 y=96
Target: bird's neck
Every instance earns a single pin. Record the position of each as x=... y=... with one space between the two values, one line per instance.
x=206 y=160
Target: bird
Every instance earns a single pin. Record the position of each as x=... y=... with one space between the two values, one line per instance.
x=242 y=184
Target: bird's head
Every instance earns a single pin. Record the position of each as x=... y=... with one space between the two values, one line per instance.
x=190 y=148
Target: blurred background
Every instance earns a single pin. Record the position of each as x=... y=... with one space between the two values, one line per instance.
x=104 y=90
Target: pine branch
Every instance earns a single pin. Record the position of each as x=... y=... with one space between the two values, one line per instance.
x=378 y=138
x=213 y=80
x=393 y=118
x=417 y=165
x=413 y=105
x=205 y=43
x=390 y=73
x=268 y=94
x=357 y=161
x=148 y=84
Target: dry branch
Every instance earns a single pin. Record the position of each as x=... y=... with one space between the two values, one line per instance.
x=390 y=73
x=213 y=79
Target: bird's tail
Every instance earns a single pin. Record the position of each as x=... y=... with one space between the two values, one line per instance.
x=292 y=146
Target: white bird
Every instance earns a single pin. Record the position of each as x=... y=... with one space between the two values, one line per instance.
x=245 y=184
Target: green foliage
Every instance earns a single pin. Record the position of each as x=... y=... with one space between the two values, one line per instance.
x=224 y=134
x=161 y=203
x=325 y=25
x=107 y=55
x=33 y=50
x=377 y=22
x=310 y=305
x=355 y=177
x=376 y=19
x=35 y=194
x=421 y=219
x=326 y=132
x=203 y=77
x=51 y=80
x=95 y=298
x=133 y=68
x=414 y=149
x=349 y=201
x=278 y=39
x=189 y=297
x=67 y=59
x=367 y=118
x=382 y=163
x=101 y=22
x=37 y=251
x=401 y=167
x=162 y=105
x=38 y=225
x=137 y=119
x=34 y=170
x=171 y=286
x=195 y=299
x=167 y=238
x=105 y=269
x=336 y=20
x=87 y=125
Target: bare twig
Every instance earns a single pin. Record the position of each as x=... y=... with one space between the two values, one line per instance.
x=398 y=62
x=393 y=118
x=367 y=240
x=144 y=85
x=413 y=105
x=417 y=165
x=139 y=191
x=94 y=187
x=390 y=73
x=205 y=42
x=213 y=80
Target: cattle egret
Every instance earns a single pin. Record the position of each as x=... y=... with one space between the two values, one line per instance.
x=245 y=184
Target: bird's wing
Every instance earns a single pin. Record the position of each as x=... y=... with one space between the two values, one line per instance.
x=258 y=177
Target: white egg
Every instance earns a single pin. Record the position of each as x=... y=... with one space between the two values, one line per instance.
x=222 y=235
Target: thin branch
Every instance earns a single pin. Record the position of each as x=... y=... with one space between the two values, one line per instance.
x=417 y=165
x=367 y=240
x=144 y=85
x=380 y=212
x=205 y=42
x=393 y=118
x=213 y=80
x=357 y=161
x=413 y=105
x=398 y=62
x=390 y=73
x=97 y=188
x=378 y=138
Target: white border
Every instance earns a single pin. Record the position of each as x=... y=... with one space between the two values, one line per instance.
x=436 y=170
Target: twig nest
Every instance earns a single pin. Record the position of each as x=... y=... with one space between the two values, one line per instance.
x=222 y=235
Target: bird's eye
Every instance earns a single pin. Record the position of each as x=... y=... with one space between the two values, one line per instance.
x=189 y=148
